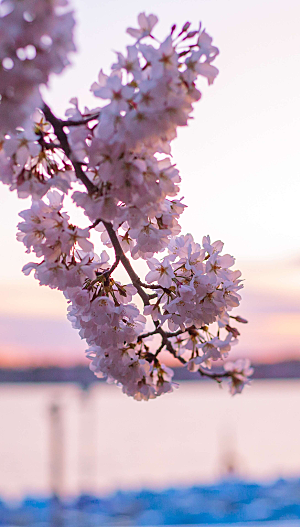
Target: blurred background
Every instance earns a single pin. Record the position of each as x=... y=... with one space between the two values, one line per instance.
x=239 y=162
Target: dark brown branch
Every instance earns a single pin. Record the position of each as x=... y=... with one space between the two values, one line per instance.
x=85 y=120
x=204 y=372
x=153 y=286
x=169 y=346
x=149 y=334
x=48 y=146
x=125 y=262
x=113 y=267
x=166 y=333
x=96 y=222
x=176 y=333
x=161 y=347
x=58 y=128
x=63 y=139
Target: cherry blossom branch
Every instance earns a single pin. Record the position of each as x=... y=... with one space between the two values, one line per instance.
x=119 y=253
x=137 y=284
x=58 y=125
x=204 y=372
x=91 y=188
x=120 y=256
x=112 y=150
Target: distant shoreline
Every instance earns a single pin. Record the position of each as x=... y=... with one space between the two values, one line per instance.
x=83 y=376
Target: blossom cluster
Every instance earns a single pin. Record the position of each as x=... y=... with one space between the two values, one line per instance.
x=115 y=162
x=149 y=93
x=36 y=39
x=68 y=256
x=194 y=285
x=111 y=325
x=198 y=288
x=100 y=307
x=31 y=161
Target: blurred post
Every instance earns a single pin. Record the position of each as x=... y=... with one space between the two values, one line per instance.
x=56 y=463
x=87 y=442
x=228 y=462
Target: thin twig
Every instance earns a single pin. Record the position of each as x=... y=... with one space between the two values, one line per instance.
x=113 y=267
x=169 y=346
x=161 y=347
x=166 y=333
x=149 y=334
x=48 y=146
x=96 y=222
x=85 y=120
x=154 y=286
x=214 y=375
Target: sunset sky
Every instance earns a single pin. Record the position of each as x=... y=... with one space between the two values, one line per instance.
x=239 y=161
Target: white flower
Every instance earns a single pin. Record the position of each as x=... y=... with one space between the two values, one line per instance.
x=22 y=146
x=130 y=63
x=146 y=24
x=116 y=92
x=161 y=272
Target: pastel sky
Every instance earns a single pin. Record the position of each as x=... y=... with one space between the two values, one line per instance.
x=239 y=161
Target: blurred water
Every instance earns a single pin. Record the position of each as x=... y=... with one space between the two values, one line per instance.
x=108 y=441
